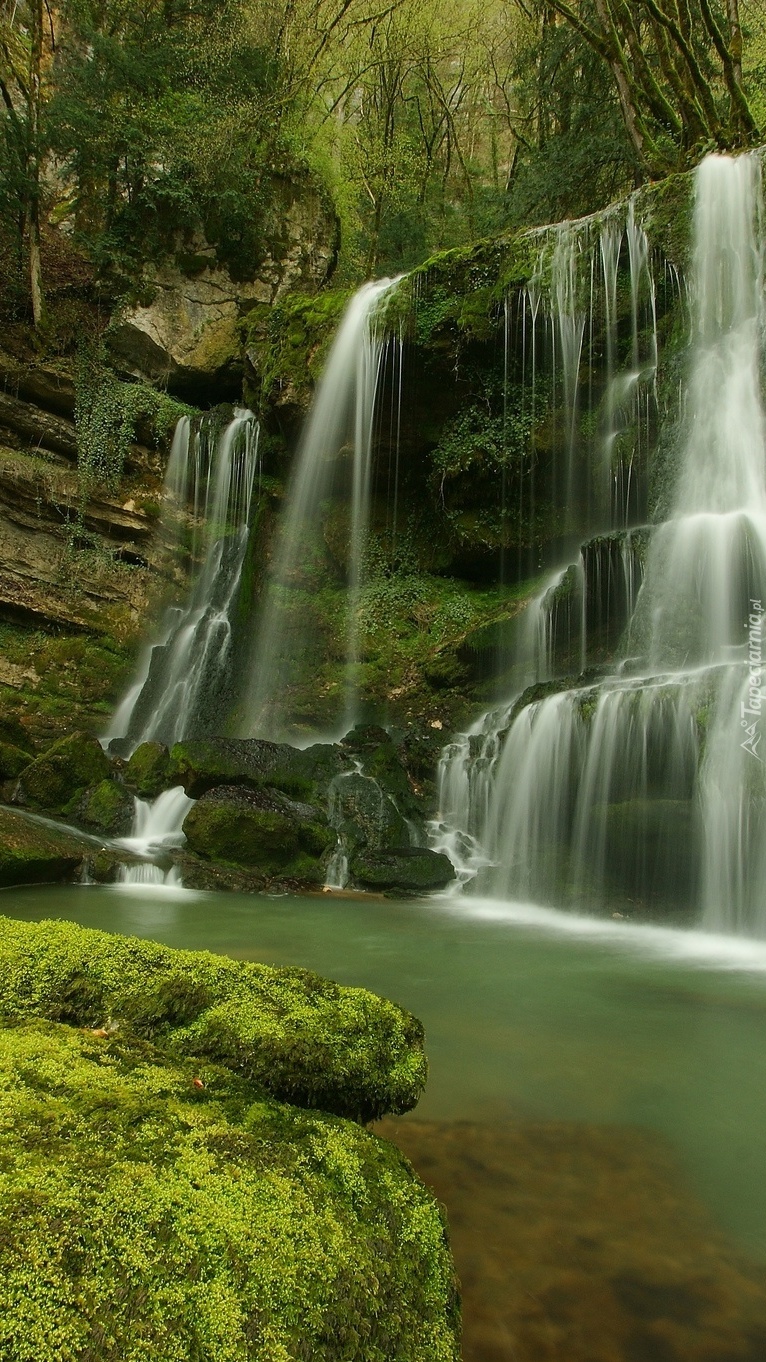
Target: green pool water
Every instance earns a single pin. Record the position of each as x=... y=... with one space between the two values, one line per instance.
x=530 y=1015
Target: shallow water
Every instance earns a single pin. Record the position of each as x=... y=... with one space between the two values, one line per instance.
x=640 y=1047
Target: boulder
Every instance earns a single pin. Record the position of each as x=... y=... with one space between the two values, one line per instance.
x=33 y=852
x=261 y=828
x=146 y=773
x=56 y=781
x=411 y=869
x=107 y=808
x=363 y=815
x=201 y=765
x=12 y=761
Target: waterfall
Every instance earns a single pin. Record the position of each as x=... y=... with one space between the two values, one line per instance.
x=184 y=676
x=335 y=452
x=156 y=830
x=647 y=789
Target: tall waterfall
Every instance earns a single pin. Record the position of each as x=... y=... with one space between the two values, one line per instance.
x=184 y=676
x=335 y=453
x=648 y=788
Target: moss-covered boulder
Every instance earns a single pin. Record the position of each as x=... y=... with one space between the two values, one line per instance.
x=411 y=869
x=260 y=828
x=157 y=1211
x=33 y=852
x=146 y=773
x=12 y=761
x=106 y=809
x=300 y=1038
x=363 y=815
x=55 y=781
x=13 y=732
x=205 y=763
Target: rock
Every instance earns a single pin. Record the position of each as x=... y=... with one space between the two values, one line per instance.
x=414 y=869
x=12 y=761
x=198 y=873
x=180 y=1214
x=37 y=428
x=260 y=828
x=299 y=1038
x=33 y=852
x=56 y=781
x=146 y=773
x=14 y=734
x=107 y=808
x=364 y=816
x=187 y=337
x=205 y=763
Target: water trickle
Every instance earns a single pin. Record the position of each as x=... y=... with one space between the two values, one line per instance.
x=336 y=448
x=184 y=675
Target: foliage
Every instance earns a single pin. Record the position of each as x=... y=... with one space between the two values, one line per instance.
x=149 y=1212
x=300 y=1038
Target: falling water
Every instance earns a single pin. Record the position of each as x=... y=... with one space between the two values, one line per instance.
x=184 y=674
x=156 y=830
x=647 y=789
x=338 y=433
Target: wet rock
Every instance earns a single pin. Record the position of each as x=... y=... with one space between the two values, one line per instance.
x=146 y=773
x=56 y=781
x=411 y=869
x=107 y=808
x=364 y=816
x=206 y=763
x=36 y=853
x=260 y=828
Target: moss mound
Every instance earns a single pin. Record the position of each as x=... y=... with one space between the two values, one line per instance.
x=260 y=828
x=107 y=808
x=300 y=1038
x=12 y=761
x=146 y=1219
x=35 y=853
x=56 y=780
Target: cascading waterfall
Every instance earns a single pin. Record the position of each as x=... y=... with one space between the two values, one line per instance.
x=647 y=788
x=156 y=831
x=338 y=433
x=184 y=676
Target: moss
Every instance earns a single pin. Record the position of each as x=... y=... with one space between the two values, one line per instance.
x=147 y=772
x=107 y=808
x=148 y=1220
x=259 y=828
x=301 y=1038
x=12 y=761
x=287 y=344
x=412 y=869
x=56 y=780
x=33 y=853
x=72 y=680
x=202 y=764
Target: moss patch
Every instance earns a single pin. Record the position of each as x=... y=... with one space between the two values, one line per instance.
x=33 y=853
x=55 y=781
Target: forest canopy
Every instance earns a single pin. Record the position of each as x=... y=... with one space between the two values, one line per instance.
x=137 y=126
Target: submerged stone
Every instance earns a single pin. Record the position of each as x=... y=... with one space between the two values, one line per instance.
x=33 y=852
x=56 y=780
x=414 y=869
x=260 y=828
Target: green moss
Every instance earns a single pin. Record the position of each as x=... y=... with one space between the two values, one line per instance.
x=147 y=772
x=287 y=344
x=56 y=780
x=259 y=828
x=12 y=761
x=301 y=1038
x=414 y=869
x=107 y=808
x=33 y=853
x=146 y=1220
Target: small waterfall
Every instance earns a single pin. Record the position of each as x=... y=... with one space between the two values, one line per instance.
x=156 y=830
x=650 y=788
x=184 y=676
x=335 y=452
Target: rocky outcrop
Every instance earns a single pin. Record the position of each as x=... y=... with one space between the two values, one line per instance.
x=33 y=852
x=56 y=781
x=213 y=1098
x=202 y=764
x=262 y=829
x=187 y=338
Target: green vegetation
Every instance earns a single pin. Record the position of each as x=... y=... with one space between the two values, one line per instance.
x=159 y=1203
x=68 y=679
x=300 y=1038
x=35 y=853
x=260 y=828
x=56 y=781
x=146 y=772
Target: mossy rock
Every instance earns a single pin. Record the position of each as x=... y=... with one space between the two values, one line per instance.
x=303 y=1039
x=364 y=815
x=13 y=732
x=55 y=781
x=33 y=852
x=12 y=761
x=157 y=1211
x=146 y=773
x=206 y=763
x=411 y=869
x=260 y=828
x=107 y=808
